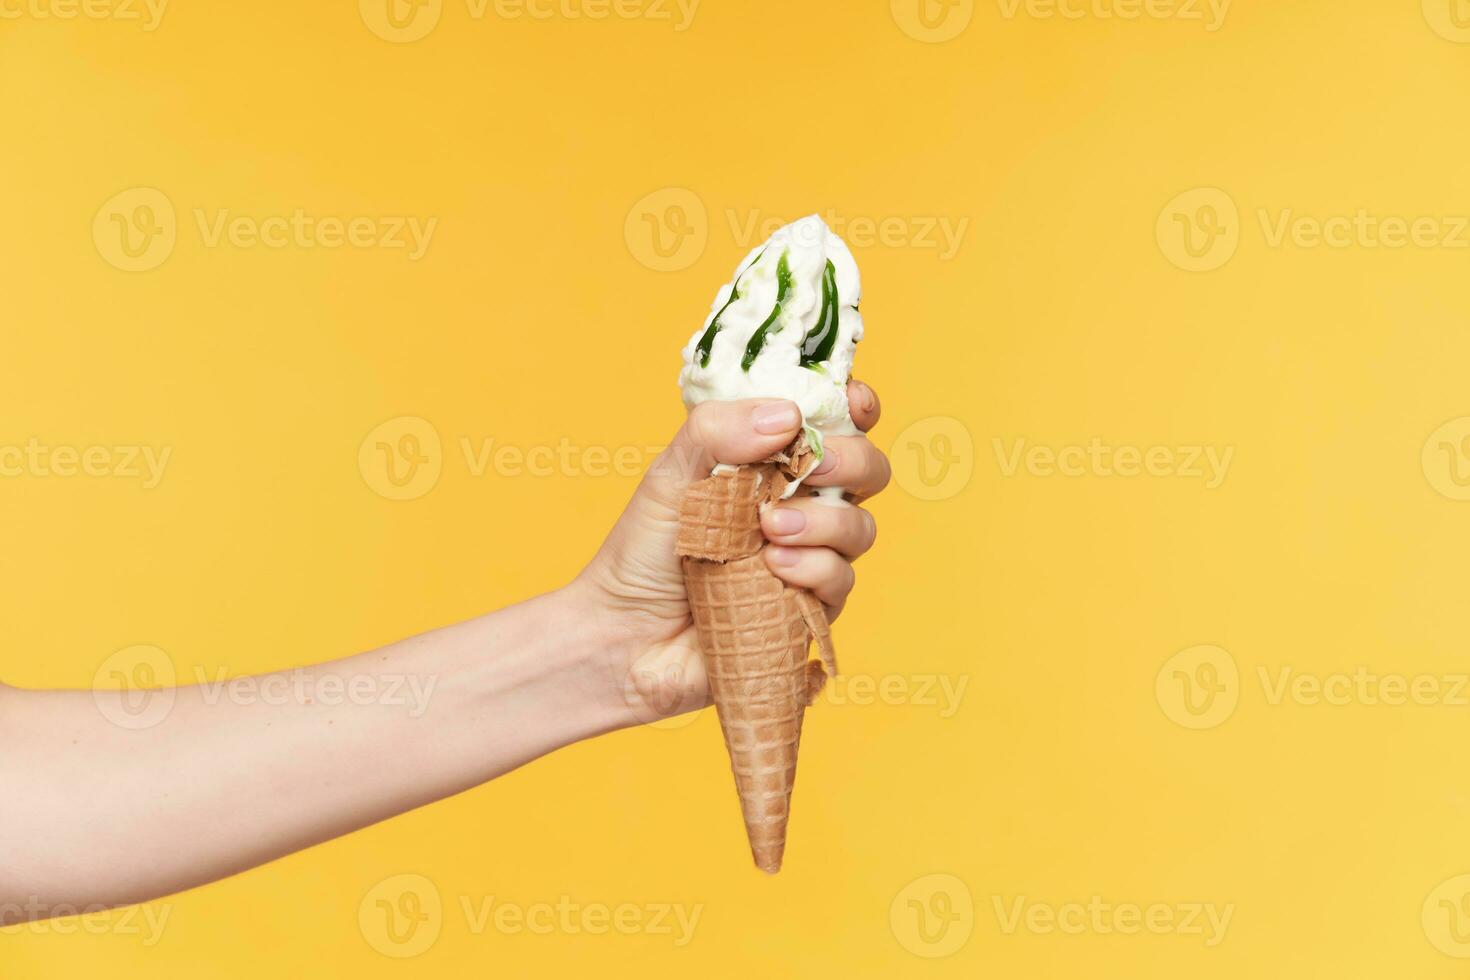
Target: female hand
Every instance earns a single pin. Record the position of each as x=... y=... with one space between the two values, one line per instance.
x=635 y=584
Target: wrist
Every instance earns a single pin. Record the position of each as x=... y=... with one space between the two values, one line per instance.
x=596 y=644
x=528 y=679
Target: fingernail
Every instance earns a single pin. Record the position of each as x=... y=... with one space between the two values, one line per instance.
x=828 y=463
x=785 y=557
x=775 y=417
x=867 y=401
x=786 y=520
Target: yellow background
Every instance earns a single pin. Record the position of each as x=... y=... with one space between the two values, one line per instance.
x=1332 y=543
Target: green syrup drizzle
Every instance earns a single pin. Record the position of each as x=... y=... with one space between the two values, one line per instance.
x=817 y=345
x=707 y=342
x=758 y=339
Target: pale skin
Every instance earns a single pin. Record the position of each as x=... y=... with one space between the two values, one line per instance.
x=95 y=814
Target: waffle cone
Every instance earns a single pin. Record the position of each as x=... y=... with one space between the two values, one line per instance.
x=754 y=632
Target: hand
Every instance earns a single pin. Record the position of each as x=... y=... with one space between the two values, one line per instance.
x=636 y=582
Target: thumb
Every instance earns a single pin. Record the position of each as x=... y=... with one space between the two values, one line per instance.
x=725 y=432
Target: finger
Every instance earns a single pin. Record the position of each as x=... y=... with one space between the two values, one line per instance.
x=863 y=405
x=820 y=522
x=728 y=432
x=824 y=571
x=854 y=463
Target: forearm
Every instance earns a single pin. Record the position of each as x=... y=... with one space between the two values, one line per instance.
x=92 y=812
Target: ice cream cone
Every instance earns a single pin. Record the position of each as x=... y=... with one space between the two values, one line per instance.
x=754 y=632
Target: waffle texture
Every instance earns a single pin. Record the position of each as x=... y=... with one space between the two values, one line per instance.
x=720 y=518
x=754 y=633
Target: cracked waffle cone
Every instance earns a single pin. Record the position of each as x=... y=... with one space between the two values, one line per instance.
x=754 y=632
x=720 y=517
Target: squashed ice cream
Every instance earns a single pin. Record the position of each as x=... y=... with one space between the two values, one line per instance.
x=786 y=326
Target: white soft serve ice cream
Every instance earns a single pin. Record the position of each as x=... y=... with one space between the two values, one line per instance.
x=786 y=326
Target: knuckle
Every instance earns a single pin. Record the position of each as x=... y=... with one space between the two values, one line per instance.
x=701 y=423
x=834 y=561
x=882 y=469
